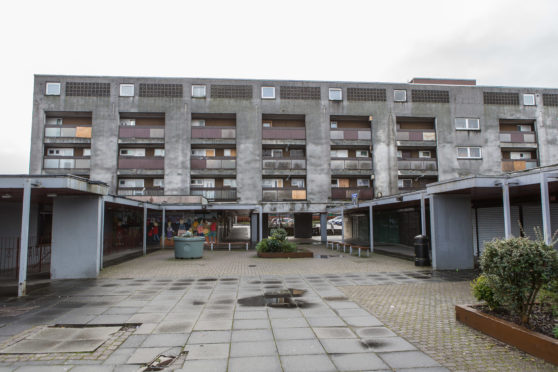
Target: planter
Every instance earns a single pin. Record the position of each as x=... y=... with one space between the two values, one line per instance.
x=298 y=254
x=531 y=342
x=188 y=247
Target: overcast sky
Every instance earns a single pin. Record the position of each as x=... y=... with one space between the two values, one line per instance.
x=503 y=42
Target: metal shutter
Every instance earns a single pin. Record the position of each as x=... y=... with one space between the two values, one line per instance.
x=532 y=218
x=491 y=224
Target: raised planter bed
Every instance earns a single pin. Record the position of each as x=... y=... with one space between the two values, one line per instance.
x=298 y=254
x=531 y=342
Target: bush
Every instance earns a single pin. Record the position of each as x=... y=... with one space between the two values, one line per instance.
x=276 y=243
x=516 y=269
x=483 y=292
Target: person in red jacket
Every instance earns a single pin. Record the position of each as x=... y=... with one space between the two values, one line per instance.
x=213 y=232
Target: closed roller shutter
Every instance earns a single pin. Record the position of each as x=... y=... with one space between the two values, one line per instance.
x=491 y=224
x=554 y=217
x=532 y=218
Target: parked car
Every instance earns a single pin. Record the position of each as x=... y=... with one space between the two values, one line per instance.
x=282 y=222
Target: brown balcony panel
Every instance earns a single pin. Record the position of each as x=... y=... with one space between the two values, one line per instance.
x=518 y=137
x=141 y=163
x=345 y=193
x=283 y=163
x=350 y=134
x=283 y=194
x=416 y=135
x=197 y=163
x=417 y=164
x=284 y=133
x=214 y=193
x=214 y=132
x=127 y=191
x=518 y=165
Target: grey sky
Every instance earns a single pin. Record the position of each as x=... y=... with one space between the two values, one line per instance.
x=511 y=43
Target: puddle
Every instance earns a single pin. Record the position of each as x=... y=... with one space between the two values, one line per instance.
x=228 y=279
x=207 y=280
x=271 y=282
x=280 y=299
x=251 y=265
x=198 y=303
x=371 y=343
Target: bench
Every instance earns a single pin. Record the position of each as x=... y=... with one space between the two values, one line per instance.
x=346 y=245
x=228 y=245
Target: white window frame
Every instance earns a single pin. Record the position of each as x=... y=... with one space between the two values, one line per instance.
x=343 y=153
x=399 y=91
x=468 y=149
x=333 y=124
x=399 y=154
x=60 y=151
x=468 y=124
x=335 y=182
x=401 y=183
x=229 y=182
x=198 y=152
x=521 y=128
x=159 y=152
x=86 y=152
x=125 y=90
x=269 y=90
x=363 y=182
x=335 y=94
x=531 y=101
x=267 y=124
x=276 y=153
x=228 y=152
x=520 y=155
x=128 y=122
x=425 y=154
x=132 y=152
x=272 y=183
x=361 y=153
x=299 y=181
x=49 y=89
x=196 y=182
x=131 y=182
x=195 y=87
x=54 y=121
x=198 y=123
x=158 y=182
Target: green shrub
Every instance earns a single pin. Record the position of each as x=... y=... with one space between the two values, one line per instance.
x=483 y=292
x=516 y=269
x=262 y=246
x=549 y=296
x=555 y=331
x=278 y=234
x=276 y=243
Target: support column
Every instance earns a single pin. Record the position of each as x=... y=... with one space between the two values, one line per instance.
x=323 y=227
x=102 y=240
x=545 y=208
x=164 y=228
x=24 y=240
x=507 y=214
x=422 y=215
x=371 y=228
x=303 y=225
x=342 y=224
x=261 y=224
x=254 y=228
x=144 y=229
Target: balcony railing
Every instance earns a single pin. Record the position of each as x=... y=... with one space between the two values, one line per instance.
x=214 y=193
x=214 y=132
x=197 y=162
x=416 y=135
x=283 y=194
x=351 y=164
x=284 y=163
x=519 y=137
x=66 y=163
x=287 y=133
x=142 y=132
x=151 y=191
x=141 y=162
x=518 y=165
x=350 y=134
x=345 y=193
x=417 y=164
x=68 y=132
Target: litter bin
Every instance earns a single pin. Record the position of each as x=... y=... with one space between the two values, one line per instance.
x=421 y=251
x=188 y=247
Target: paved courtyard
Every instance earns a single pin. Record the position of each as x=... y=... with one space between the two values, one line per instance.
x=234 y=312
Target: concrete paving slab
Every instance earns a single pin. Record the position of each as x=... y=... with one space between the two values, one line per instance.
x=289 y=323
x=253 y=348
x=387 y=344
x=358 y=362
x=209 y=337
x=408 y=359
x=145 y=318
x=293 y=333
x=145 y=355
x=251 y=324
x=307 y=363
x=334 y=332
x=167 y=340
x=343 y=346
x=326 y=322
x=213 y=325
x=260 y=364
x=372 y=332
x=38 y=368
x=172 y=326
x=363 y=321
x=299 y=347
x=199 y=365
x=251 y=335
x=207 y=351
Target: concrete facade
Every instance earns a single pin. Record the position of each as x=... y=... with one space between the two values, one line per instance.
x=106 y=109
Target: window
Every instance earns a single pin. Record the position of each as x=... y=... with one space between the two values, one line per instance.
x=229 y=152
x=229 y=182
x=267 y=124
x=297 y=153
x=333 y=124
x=276 y=153
x=198 y=152
x=399 y=153
x=425 y=154
x=198 y=91
x=198 y=123
x=132 y=152
x=159 y=182
x=272 y=182
x=159 y=152
x=529 y=99
x=400 y=95
x=52 y=132
x=335 y=183
x=520 y=155
x=361 y=153
x=405 y=183
x=339 y=153
x=128 y=122
x=297 y=182
x=54 y=121
x=60 y=152
x=467 y=124
x=363 y=182
x=524 y=128
x=335 y=94
x=468 y=152
x=268 y=92
x=197 y=182
x=67 y=163
x=52 y=89
x=131 y=182
x=86 y=152
x=126 y=90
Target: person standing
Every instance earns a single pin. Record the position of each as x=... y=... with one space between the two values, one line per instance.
x=213 y=232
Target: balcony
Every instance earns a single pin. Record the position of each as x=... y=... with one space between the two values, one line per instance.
x=416 y=135
x=417 y=166
x=130 y=191
x=350 y=134
x=226 y=133
x=518 y=165
x=67 y=134
x=53 y=162
x=288 y=166
x=213 y=162
x=125 y=162
x=283 y=194
x=285 y=133
x=518 y=137
x=351 y=165
x=142 y=133
x=214 y=194
x=345 y=193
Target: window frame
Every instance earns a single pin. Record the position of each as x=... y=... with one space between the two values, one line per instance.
x=395 y=91
x=160 y=154
x=525 y=95
x=335 y=90
x=333 y=125
x=422 y=152
x=51 y=84
x=363 y=179
x=467 y=123
x=199 y=121
x=401 y=183
x=298 y=180
x=127 y=122
x=357 y=155
x=125 y=86
x=88 y=151
x=197 y=86
x=263 y=96
x=469 y=152
x=159 y=182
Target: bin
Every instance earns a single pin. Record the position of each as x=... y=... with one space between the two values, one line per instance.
x=188 y=247
x=421 y=251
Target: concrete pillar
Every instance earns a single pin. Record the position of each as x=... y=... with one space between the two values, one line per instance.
x=144 y=230
x=24 y=240
x=163 y=228
x=507 y=210
x=264 y=223
x=303 y=225
x=76 y=237
x=102 y=249
x=260 y=225
x=254 y=228
x=422 y=215
x=545 y=208
x=371 y=228
x=451 y=237
x=323 y=227
x=342 y=224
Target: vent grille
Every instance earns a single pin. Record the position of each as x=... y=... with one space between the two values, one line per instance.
x=161 y=90
x=500 y=98
x=366 y=94
x=231 y=91
x=286 y=92
x=82 y=89
x=430 y=96
x=550 y=99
